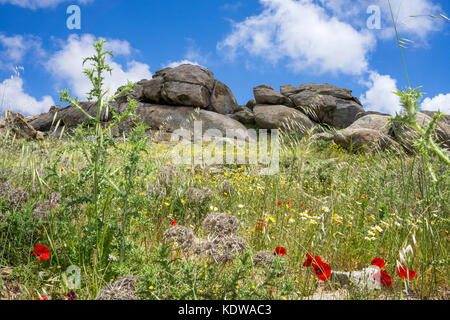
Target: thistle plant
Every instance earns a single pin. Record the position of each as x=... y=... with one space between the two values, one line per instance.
x=410 y=101
x=95 y=75
x=96 y=154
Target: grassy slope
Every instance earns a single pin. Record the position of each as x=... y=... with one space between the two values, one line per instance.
x=345 y=208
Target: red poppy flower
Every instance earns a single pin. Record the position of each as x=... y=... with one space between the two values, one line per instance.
x=384 y=278
x=378 y=262
x=322 y=270
x=42 y=298
x=289 y=203
x=174 y=223
x=405 y=273
x=308 y=261
x=280 y=203
x=41 y=252
x=280 y=251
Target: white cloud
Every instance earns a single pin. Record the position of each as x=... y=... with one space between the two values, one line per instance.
x=36 y=4
x=439 y=103
x=16 y=47
x=380 y=96
x=66 y=65
x=13 y=97
x=175 y=64
x=284 y=30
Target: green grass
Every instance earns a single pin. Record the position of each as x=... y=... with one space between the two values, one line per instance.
x=338 y=200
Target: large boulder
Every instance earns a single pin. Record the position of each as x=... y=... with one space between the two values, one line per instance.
x=186 y=86
x=222 y=99
x=372 y=121
x=185 y=94
x=406 y=135
x=325 y=103
x=357 y=139
x=267 y=95
x=188 y=73
x=245 y=116
x=281 y=117
x=18 y=126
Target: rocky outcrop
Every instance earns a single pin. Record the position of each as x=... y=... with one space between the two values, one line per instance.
x=176 y=97
x=322 y=103
x=325 y=103
x=186 y=85
x=281 y=117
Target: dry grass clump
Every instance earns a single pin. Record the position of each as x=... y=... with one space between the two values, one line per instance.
x=221 y=224
x=124 y=288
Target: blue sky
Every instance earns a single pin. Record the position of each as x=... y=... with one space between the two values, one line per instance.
x=245 y=43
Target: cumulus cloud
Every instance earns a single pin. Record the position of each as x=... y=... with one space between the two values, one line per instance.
x=37 y=4
x=380 y=97
x=283 y=30
x=66 y=65
x=14 y=97
x=439 y=103
x=14 y=48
